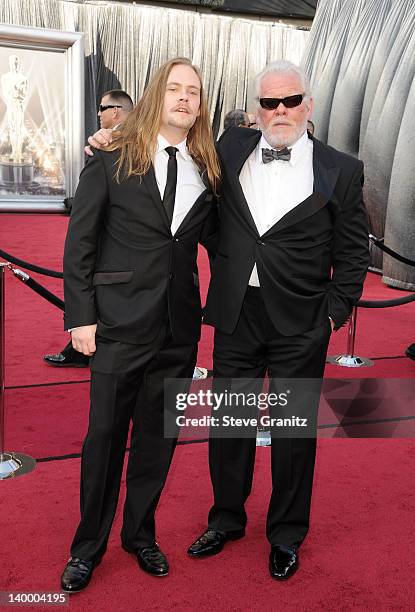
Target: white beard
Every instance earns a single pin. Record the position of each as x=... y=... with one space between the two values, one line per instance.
x=279 y=141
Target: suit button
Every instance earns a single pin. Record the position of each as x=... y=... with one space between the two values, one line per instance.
x=260 y=242
x=176 y=240
x=170 y=276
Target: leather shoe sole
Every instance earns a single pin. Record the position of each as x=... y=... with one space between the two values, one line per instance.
x=146 y=565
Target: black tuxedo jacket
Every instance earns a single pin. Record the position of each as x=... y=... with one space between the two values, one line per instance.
x=123 y=269
x=311 y=263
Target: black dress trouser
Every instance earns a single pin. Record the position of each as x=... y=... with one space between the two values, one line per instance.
x=252 y=350
x=127 y=383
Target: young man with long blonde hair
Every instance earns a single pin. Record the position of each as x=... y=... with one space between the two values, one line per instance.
x=132 y=303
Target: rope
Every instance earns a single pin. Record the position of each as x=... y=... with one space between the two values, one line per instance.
x=386 y=303
x=382 y=247
x=38 y=288
x=29 y=266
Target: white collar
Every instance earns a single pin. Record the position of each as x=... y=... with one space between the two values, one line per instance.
x=297 y=149
x=162 y=143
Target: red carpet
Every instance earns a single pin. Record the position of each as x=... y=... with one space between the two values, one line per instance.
x=358 y=554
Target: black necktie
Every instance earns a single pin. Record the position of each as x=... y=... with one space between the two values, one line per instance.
x=170 y=189
x=268 y=155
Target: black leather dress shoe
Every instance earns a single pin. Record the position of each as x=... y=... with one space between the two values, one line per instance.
x=77 y=574
x=283 y=562
x=68 y=358
x=151 y=559
x=211 y=542
x=410 y=351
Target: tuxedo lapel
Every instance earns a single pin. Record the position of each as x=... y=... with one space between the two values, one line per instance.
x=149 y=181
x=325 y=171
x=325 y=179
x=242 y=150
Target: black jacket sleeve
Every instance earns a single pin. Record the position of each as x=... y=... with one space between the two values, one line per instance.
x=350 y=251
x=82 y=243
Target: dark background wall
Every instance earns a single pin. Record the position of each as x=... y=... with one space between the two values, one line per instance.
x=300 y=9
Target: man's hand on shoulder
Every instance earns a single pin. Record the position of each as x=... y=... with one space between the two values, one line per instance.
x=98 y=140
x=83 y=339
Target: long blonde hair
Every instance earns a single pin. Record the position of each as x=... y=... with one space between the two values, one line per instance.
x=137 y=140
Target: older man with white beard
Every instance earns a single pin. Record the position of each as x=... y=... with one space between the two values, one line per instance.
x=291 y=261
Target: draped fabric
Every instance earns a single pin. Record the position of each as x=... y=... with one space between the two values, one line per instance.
x=125 y=44
x=360 y=59
x=304 y=9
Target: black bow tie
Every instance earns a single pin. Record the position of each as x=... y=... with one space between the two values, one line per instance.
x=268 y=155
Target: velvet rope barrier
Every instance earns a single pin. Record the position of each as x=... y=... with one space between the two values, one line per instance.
x=406 y=299
x=379 y=243
x=29 y=266
x=37 y=287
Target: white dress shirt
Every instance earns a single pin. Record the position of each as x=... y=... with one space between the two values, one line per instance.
x=272 y=190
x=189 y=184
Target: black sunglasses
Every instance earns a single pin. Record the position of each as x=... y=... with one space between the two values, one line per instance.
x=288 y=102
x=103 y=107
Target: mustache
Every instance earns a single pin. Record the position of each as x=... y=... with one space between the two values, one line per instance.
x=277 y=122
x=181 y=107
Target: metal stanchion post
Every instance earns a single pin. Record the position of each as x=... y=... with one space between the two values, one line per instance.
x=263 y=434
x=11 y=464
x=200 y=373
x=263 y=437
x=350 y=360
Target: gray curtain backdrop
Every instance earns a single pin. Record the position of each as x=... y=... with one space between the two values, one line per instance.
x=126 y=43
x=360 y=57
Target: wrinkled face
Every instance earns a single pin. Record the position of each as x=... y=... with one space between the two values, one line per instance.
x=181 y=105
x=282 y=127
x=109 y=117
